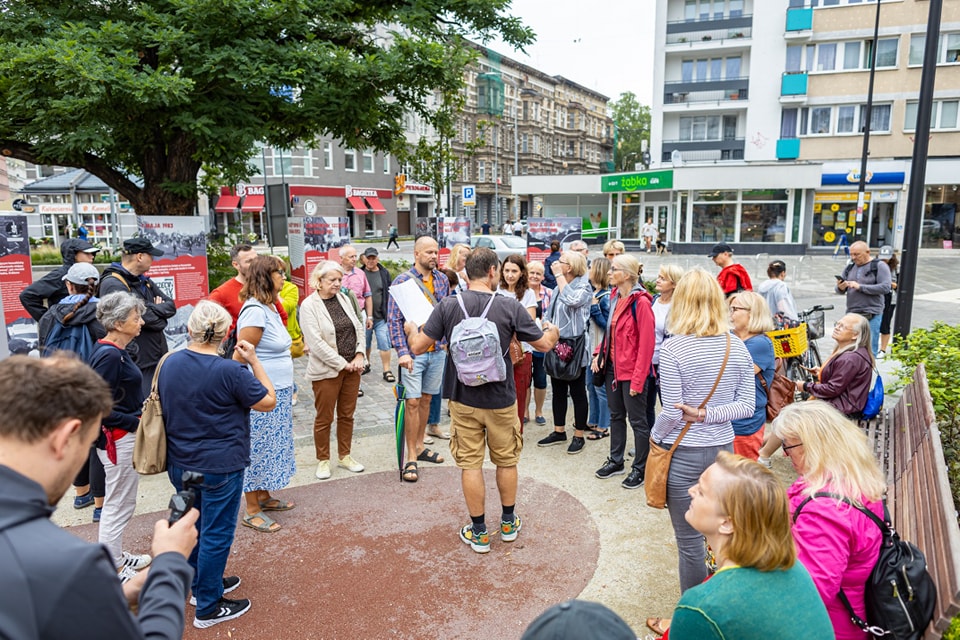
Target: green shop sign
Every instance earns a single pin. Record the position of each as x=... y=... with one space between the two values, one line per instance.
x=646 y=181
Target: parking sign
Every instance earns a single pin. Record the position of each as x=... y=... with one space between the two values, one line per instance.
x=470 y=196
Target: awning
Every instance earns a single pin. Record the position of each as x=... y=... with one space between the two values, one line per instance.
x=375 y=205
x=356 y=203
x=227 y=204
x=253 y=204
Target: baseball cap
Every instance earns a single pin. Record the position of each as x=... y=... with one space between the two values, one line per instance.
x=886 y=252
x=370 y=251
x=722 y=247
x=80 y=272
x=85 y=247
x=580 y=620
x=141 y=245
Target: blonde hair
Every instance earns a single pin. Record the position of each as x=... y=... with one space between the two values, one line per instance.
x=577 y=262
x=539 y=266
x=760 y=320
x=613 y=245
x=322 y=269
x=672 y=272
x=698 y=307
x=455 y=252
x=208 y=323
x=600 y=273
x=835 y=451
x=755 y=502
x=630 y=265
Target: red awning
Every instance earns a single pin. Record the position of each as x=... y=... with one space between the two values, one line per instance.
x=253 y=204
x=227 y=204
x=356 y=203
x=375 y=205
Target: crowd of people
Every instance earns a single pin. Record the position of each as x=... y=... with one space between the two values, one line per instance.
x=686 y=366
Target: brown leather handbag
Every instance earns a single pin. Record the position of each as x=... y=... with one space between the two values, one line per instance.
x=658 y=460
x=516 y=351
x=780 y=393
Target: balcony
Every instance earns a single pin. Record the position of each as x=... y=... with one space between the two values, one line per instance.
x=706 y=91
x=788 y=148
x=704 y=150
x=793 y=87
x=799 y=24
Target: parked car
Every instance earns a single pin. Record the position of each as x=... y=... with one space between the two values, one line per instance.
x=502 y=245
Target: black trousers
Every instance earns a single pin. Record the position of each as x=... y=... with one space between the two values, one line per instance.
x=577 y=390
x=633 y=408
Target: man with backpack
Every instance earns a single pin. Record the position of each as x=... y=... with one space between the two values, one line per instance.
x=479 y=386
x=865 y=281
x=733 y=278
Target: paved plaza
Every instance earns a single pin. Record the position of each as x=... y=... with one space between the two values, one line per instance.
x=366 y=556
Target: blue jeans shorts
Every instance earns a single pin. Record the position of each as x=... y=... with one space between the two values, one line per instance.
x=427 y=375
x=383 y=336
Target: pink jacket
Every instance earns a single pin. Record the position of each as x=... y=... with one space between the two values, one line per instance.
x=632 y=342
x=838 y=545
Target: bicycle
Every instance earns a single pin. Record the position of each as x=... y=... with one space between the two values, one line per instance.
x=797 y=345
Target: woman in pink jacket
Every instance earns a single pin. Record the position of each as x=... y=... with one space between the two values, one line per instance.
x=627 y=348
x=837 y=543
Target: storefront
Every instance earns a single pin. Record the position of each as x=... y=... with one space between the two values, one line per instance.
x=364 y=207
x=834 y=218
x=941 y=226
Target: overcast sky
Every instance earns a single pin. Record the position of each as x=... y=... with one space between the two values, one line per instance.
x=605 y=45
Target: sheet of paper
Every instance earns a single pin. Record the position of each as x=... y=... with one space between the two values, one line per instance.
x=413 y=304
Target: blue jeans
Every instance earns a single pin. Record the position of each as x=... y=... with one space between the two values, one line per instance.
x=218 y=501
x=599 y=413
x=875 y=332
x=434 y=417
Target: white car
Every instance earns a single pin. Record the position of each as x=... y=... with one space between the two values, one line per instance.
x=503 y=245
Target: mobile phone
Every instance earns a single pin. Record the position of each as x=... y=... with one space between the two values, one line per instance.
x=183 y=500
x=839 y=278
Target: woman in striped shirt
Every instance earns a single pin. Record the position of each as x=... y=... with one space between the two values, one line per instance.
x=699 y=324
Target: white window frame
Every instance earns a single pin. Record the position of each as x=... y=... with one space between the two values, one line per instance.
x=386 y=164
x=328 y=155
x=936 y=116
x=368 y=161
x=481 y=171
x=350 y=157
x=944 y=54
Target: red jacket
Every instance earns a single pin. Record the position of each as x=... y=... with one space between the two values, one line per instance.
x=631 y=341
x=733 y=278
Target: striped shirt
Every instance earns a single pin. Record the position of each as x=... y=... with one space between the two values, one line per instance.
x=688 y=369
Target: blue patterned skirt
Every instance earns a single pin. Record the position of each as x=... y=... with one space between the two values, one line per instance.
x=272 y=462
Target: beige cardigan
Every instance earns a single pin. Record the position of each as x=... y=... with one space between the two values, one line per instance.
x=321 y=338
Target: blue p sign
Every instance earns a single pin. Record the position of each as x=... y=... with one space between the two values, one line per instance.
x=469 y=196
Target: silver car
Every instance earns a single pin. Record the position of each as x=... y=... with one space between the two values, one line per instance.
x=502 y=245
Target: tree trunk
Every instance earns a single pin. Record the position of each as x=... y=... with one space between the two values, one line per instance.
x=169 y=179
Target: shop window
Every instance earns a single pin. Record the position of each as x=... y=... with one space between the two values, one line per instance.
x=764 y=221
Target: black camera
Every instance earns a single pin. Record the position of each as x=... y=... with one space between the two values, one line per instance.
x=183 y=500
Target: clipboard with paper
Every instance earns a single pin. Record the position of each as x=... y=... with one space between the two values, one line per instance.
x=413 y=304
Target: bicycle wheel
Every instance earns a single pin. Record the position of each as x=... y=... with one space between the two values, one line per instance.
x=812 y=356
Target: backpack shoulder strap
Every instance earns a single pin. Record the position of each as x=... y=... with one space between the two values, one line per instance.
x=116 y=275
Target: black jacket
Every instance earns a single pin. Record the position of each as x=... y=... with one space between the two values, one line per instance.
x=86 y=315
x=385 y=280
x=59 y=586
x=50 y=288
x=151 y=343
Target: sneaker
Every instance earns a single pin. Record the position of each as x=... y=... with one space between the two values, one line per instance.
x=633 y=481
x=84 y=501
x=134 y=561
x=323 y=470
x=348 y=463
x=881 y=355
x=226 y=610
x=555 y=437
x=126 y=573
x=765 y=462
x=509 y=530
x=96 y=513
x=610 y=468
x=576 y=445
x=478 y=542
x=541 y=420
x=229 y=584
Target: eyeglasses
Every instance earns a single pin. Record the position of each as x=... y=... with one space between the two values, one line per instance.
x=732 y=308
x=840 y=325
x=613 y=269
x=792 y=446
x=562 y=262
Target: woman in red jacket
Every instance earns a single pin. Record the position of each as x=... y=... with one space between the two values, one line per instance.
x=628 y=352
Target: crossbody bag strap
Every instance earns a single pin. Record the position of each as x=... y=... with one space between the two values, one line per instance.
x=426 y=292
x=716 y=383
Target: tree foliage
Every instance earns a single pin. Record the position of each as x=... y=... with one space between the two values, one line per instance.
x=633 y=128
x=159 y=88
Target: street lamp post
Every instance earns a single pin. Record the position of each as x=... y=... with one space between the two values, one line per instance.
x=868 y=115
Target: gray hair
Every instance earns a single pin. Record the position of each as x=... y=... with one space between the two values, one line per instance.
x=579 y=245
x=322 y=269
x=115 y=308
x=208 y=323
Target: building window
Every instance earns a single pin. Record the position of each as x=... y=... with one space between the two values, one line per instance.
x=943 y=116
x=524 y=145
x=846 y=116
x=327 y=155
x=307 y=156
x=815 y=121
x=350 y=160
x=386 y=163
x=368 y=160
x=481 y=171
x=699 y=128
x=948 y=49
x=282 y=163
x=879 y=118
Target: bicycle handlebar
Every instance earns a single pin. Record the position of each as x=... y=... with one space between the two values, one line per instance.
x=814 y=309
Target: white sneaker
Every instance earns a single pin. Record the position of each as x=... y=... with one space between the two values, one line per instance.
x=126 y=574
x=323 y=470
x=881 y=355
x=765 y=462
x=348 y=463
x=134 y=561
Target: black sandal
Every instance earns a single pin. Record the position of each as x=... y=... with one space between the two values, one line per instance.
x=410 y=473
x=598 y=434
x=429 y=456
x=389 y=377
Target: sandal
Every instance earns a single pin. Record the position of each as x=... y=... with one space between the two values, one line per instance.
x=437 y=433
x=410 y=472
x=429 y=456
x=360 y=393
x=266 y=524
x=658 y=625
x=276 y=504
x=598 y=434
x=389 y=377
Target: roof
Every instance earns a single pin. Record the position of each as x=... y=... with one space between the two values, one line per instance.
x=78 y=180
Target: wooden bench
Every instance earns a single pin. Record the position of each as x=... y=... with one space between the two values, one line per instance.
x=907 y=443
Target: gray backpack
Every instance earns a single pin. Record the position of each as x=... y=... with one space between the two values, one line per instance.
x=475 y=349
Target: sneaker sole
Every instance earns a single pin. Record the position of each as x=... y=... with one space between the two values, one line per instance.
x=475 y=547
x=631 y=486
x=204 y=624
x=226 y=590
x=551 y=444
x=343 y=466
x=611 y=474
x=510 y=537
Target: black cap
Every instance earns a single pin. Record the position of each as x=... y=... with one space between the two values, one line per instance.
x=719 y=248
x=370 y=251
x=141 y=245
x=82 y=246
x=580 y=620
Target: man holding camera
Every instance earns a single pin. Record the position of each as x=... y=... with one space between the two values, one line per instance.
x=56 y=585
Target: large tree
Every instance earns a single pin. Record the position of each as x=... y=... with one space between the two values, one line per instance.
x=158 y=88
x=632 y=120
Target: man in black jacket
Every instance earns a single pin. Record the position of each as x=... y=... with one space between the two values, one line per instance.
x=50 y=289
x=55 y=584
x=128 y=275
x=379 y=279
